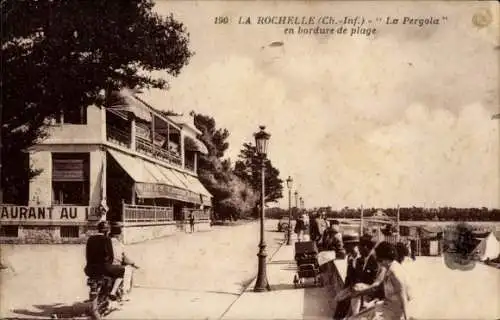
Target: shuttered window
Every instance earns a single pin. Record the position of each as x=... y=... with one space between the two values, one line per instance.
x=70 y=167
x=68 y=170
x=70 y=178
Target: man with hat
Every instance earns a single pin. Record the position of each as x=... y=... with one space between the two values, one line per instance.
x=366 y=274
x=98 y=251
x=121 y=261
x=354 y=266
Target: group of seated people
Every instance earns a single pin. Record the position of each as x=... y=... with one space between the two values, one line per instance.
x=105 y=255
x=376 y=282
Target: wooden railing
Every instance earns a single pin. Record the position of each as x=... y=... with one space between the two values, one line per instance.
x=198 y=214
x=151 y=150
x=137 y=213
x=118 y=136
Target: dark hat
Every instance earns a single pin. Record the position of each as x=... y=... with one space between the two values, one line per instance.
x=367 y=240
x=334 y=222
x=103 y=226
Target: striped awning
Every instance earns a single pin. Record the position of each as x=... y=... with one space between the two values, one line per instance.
x=155 y=181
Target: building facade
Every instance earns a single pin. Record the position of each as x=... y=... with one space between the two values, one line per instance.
x=135 y=161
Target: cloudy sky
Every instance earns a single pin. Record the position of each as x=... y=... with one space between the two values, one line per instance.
x=399 y=117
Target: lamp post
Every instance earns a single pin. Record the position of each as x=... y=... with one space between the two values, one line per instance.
x=261 y=139
x=296 y=194
x=289 y=182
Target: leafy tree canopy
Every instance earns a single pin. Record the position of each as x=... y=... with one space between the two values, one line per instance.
x=60 y=55
x=249 y=168
x=233 y=197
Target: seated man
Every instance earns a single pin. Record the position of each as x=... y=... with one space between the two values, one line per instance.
x=98 y=251
x=121 y=262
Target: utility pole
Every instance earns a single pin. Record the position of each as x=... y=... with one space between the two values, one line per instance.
x=397 y=223
x=361 y=222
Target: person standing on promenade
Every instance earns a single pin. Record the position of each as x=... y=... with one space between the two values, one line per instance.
x=191 y=222
x=318 y=227
x=300 y=227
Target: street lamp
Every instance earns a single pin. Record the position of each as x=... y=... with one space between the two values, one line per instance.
x=296 y=205
x=261 y=139
x=289 y=182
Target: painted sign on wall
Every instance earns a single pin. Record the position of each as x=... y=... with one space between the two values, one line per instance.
x=152 y=190
x=52 y=214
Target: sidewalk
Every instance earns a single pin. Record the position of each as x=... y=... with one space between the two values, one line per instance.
x=284 y=301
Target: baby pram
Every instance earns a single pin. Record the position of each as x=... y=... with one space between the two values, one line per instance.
x=306 y=256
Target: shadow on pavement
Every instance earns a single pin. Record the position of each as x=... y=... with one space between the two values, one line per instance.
x=59 y=309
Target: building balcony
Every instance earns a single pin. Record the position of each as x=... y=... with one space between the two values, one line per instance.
x=123 y=139
x=118 y=136
x=149 y=149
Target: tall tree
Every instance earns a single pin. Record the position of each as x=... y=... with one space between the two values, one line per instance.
x=59 y=55
x=233 y=197
x=249 y=168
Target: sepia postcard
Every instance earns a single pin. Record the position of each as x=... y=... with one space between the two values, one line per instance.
x=171 y=159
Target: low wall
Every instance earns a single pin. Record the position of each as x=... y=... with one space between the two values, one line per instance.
x=75 y=234
x=40 y=234
x=137 y=232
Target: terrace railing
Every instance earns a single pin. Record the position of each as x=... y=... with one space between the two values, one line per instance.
x=118 y=136
x=139 y=213
x=148 y=148
x=199 y=215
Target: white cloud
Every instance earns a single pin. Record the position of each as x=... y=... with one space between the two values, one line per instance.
x=404 y=118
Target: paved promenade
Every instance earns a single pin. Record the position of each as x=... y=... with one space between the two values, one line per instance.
x=205 y=275
x=284 y=301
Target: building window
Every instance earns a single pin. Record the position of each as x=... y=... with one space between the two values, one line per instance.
x=70 y=232
x=70 y=178
x=9 y=231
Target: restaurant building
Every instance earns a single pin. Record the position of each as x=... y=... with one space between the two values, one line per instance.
x=128 y=157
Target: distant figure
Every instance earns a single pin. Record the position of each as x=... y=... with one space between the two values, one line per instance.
x=313 y=227
x=191 y=221
x=413 y=249
x=300 y=227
